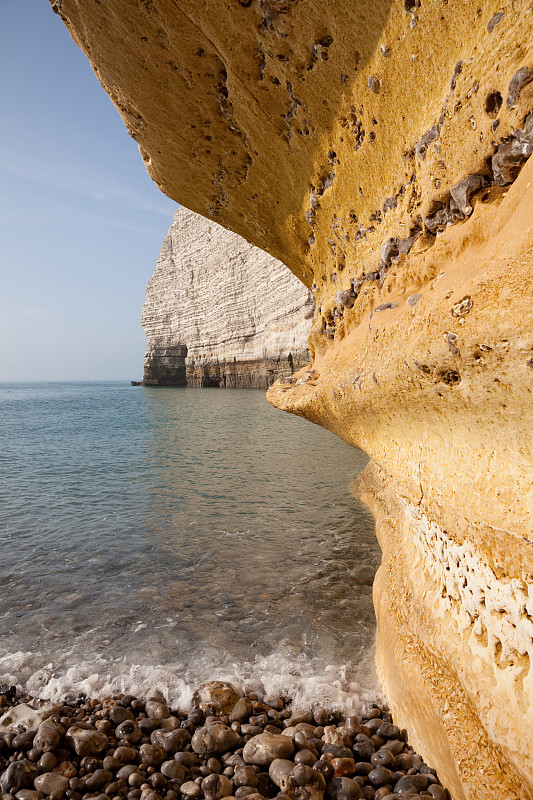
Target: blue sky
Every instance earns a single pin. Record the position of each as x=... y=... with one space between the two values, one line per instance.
x=81 y=223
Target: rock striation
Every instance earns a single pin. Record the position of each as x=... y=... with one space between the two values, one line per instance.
x=382 y=151
x=221 y=312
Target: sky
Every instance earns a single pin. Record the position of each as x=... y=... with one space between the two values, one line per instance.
x=81 y=223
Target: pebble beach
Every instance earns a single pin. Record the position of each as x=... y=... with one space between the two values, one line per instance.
x=227 y=745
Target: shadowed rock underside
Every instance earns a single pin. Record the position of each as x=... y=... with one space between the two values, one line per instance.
x=381 y=151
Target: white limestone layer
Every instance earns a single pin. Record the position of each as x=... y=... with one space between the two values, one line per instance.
x=220 y=311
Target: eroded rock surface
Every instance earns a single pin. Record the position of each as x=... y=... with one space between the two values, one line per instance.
x=221 y=312
x=382 y=151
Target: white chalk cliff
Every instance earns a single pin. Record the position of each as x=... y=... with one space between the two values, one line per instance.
x=221 y=312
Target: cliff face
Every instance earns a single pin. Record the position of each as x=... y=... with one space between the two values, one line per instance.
x=381 y=151
x=221 y=312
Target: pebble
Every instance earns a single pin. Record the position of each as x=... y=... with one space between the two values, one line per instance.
x=191 y=789
x=344 y=789
x=411 y=784
x=174 y=771
x=47 y=762
x=86 y=740
x=243 y=710
x=98 y=779
x=266 y=747
x=227 y=747
x=129 y=731
x=48 y=736
x=157 y=710
x=119 y=714
x=51 y=783
x=152 y=755
x=18 y=775
x=214 y=738
x=125 y=754
x=215 y=787
x=29 y=794
x=220 y=696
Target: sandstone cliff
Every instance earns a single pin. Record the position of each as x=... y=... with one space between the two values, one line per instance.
x=380 y=149
x=221 y=312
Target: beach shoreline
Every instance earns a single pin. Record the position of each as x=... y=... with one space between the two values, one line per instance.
x=228 y=745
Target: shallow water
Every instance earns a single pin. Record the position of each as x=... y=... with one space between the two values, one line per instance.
x=155 y=538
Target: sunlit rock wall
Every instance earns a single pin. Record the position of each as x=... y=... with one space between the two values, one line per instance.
x=221 y=312
x=381 y=150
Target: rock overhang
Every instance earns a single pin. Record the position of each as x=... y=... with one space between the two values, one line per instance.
x=381 y=151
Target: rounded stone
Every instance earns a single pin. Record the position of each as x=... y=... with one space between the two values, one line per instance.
x=214 y=738
x=245 y=776
x=218 y=695
x=115 y=787
x=157 y=710
x=129 y=731
x=118 y=714
x=48 y=736
x=86 y=740
x=125 y=754
x=352 y=725
x=136 y=780
x=23 y=741
x=244 y=791
x=242 y=710
x=389 y=731
x=362 y=768
x=395 y=746
x=110 y=762
x=171 y=741
x=148 y=725
x=363 y=750
x=215 y=787
x=29 y=794
x=51 y=783
x=303 y=781
x=380 y=776
x=98 y=779
x=190 y=789
x=278 y=769
x=305 y=757
x=437 y=792
x=124 y=772
x=266 y=748
x=325 y=768
x=152 y=755
x=173 y=770
x=18 y=775
x=250 y=730
x=344 y=767
x=380 y=793
x=187 y=759
x=344 y=789
x=411 y=784
x=338 y=751
x=47 y=762
x=383 y=758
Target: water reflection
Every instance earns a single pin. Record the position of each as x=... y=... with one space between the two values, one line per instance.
x=183 y=531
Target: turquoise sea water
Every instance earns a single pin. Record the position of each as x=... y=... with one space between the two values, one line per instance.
x=156 y=538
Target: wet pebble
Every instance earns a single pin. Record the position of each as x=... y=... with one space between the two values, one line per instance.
x=251 y=747
x=51 y=783
x=157 y=710
x=267 y=747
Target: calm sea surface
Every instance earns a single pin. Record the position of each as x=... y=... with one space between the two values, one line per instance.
x=156 y=538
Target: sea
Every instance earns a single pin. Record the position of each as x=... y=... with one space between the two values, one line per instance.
x=152 y=539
